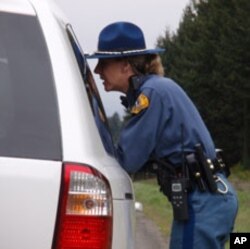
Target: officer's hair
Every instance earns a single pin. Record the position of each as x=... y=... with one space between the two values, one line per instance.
x=146 y=64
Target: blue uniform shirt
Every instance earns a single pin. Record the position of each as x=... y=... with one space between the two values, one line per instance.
x=164 y=122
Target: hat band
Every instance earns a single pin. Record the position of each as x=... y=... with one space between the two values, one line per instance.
x=120 y=52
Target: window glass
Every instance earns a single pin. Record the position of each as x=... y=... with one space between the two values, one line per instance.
x=93 y=94
x=29 y=123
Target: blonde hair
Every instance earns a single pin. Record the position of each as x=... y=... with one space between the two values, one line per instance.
x=146 y=64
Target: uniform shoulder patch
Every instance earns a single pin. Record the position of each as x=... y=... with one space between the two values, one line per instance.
x=141 y=103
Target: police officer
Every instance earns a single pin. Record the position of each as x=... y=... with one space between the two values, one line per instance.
x=164 y=124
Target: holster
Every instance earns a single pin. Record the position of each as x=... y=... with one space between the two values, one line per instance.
x=164 y=175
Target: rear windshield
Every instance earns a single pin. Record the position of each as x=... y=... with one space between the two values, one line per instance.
x=29 y=123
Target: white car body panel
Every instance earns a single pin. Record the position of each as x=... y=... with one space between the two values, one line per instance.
x=29 y=189
x=73 y=117
x=124 y=232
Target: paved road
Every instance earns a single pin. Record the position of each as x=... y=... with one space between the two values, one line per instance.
x=148 y=235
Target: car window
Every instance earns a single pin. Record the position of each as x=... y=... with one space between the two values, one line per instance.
x=93 y=93
x=29 y=119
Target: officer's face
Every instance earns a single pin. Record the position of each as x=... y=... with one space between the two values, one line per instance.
x=114 y=73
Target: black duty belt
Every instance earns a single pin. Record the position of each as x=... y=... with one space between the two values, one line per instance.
x=197 y=171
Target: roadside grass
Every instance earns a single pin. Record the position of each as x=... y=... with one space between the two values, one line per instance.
x=157 y=208
x=241 y=180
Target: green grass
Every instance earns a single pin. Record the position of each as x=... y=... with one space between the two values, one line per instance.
x=241 y=181
x=158 y=209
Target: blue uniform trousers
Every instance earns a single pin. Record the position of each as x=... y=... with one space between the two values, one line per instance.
x=211 y=219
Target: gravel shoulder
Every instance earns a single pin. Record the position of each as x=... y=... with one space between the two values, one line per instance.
x=148 y=235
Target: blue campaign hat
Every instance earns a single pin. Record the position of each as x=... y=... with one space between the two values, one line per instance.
x=121 y=39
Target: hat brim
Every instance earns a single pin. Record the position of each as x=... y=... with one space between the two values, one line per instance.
x=107 y=55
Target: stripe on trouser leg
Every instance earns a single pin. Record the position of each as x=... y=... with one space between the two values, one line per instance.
x=188 y=229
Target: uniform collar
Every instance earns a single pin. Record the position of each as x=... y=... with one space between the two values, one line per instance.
x=135 y=83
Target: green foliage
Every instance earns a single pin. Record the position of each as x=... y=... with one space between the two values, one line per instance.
x=209 y=56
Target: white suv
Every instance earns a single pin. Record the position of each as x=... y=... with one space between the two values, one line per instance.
x=60 y=186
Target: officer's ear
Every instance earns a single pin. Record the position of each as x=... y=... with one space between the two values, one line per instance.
x=127 y=68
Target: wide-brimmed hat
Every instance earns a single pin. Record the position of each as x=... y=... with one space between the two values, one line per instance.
x=121 y=39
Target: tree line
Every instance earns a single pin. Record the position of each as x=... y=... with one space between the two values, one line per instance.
x=209 y=57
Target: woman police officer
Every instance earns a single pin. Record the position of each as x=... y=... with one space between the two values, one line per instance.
x=164 y=124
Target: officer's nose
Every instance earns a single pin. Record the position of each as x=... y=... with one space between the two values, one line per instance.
x=97 y=69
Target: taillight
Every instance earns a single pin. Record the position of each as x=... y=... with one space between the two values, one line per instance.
x=85 y=214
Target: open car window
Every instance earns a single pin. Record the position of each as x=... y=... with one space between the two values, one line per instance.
x=93 y=94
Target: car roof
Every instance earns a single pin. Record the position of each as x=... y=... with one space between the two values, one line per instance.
x=31 y=7
x=17 y=6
